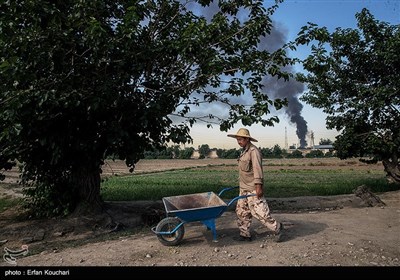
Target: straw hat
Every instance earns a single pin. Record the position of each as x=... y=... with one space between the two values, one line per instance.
x=243 y=132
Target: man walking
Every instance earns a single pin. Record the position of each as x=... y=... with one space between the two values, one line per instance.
x=251 y=181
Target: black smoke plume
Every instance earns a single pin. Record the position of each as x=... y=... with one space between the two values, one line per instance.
x=273 y=87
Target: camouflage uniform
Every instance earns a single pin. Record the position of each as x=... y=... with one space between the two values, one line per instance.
x=251 y=173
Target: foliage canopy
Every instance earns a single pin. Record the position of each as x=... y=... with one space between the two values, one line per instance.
x=354 y=76
x=85 y=80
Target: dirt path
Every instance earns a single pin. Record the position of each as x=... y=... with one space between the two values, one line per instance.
x=323 y=231
x=367 y=236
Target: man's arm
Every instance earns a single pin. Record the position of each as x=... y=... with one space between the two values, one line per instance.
x=259 y=190
x=258 y=172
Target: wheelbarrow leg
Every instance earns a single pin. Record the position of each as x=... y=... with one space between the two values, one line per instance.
x=211 y=225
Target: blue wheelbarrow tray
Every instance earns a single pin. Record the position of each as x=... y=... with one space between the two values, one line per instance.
x=203 y=207
x=195 y=207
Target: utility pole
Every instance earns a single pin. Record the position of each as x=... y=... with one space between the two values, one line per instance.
x=286 y=143
x=312 y=140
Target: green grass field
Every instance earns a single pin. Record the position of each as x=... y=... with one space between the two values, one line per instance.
x=278 y=183
x=283 y=178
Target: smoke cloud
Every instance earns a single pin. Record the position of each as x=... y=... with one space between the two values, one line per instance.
x=273 y=87
x=290 y=90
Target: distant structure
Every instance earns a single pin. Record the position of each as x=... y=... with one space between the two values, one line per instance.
x=312 y=145
x=286 y=142
x=212 y=154
x=195 y=154
x=324 y=148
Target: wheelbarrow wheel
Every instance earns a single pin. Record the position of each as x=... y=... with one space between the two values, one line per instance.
x=169 y=224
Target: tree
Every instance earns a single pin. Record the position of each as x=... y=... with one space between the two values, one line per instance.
x=327 y=141
x=277 y=151
x=204 y=150
x=186 y=153
x=315 y=154
x=85 y=80
x=295 y=154
x=231 y=153
x=165 y=153
x=354 y=76
x=266 y=152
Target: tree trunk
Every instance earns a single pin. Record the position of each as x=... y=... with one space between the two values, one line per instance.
x=392 y=169
x=88 y=187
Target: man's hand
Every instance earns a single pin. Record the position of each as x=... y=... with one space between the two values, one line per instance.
x=259 y=190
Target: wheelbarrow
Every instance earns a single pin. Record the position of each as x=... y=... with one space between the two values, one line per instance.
x=203 y=207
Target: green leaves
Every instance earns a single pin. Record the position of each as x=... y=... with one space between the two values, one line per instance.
x=84 y=80
x=353 y=76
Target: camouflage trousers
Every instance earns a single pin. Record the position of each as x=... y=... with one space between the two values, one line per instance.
x=252 y=206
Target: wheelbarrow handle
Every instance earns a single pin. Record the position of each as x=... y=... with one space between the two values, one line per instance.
x=240 y=197
x=227 y=189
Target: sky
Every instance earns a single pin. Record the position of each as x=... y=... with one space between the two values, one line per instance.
x=288 y=19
